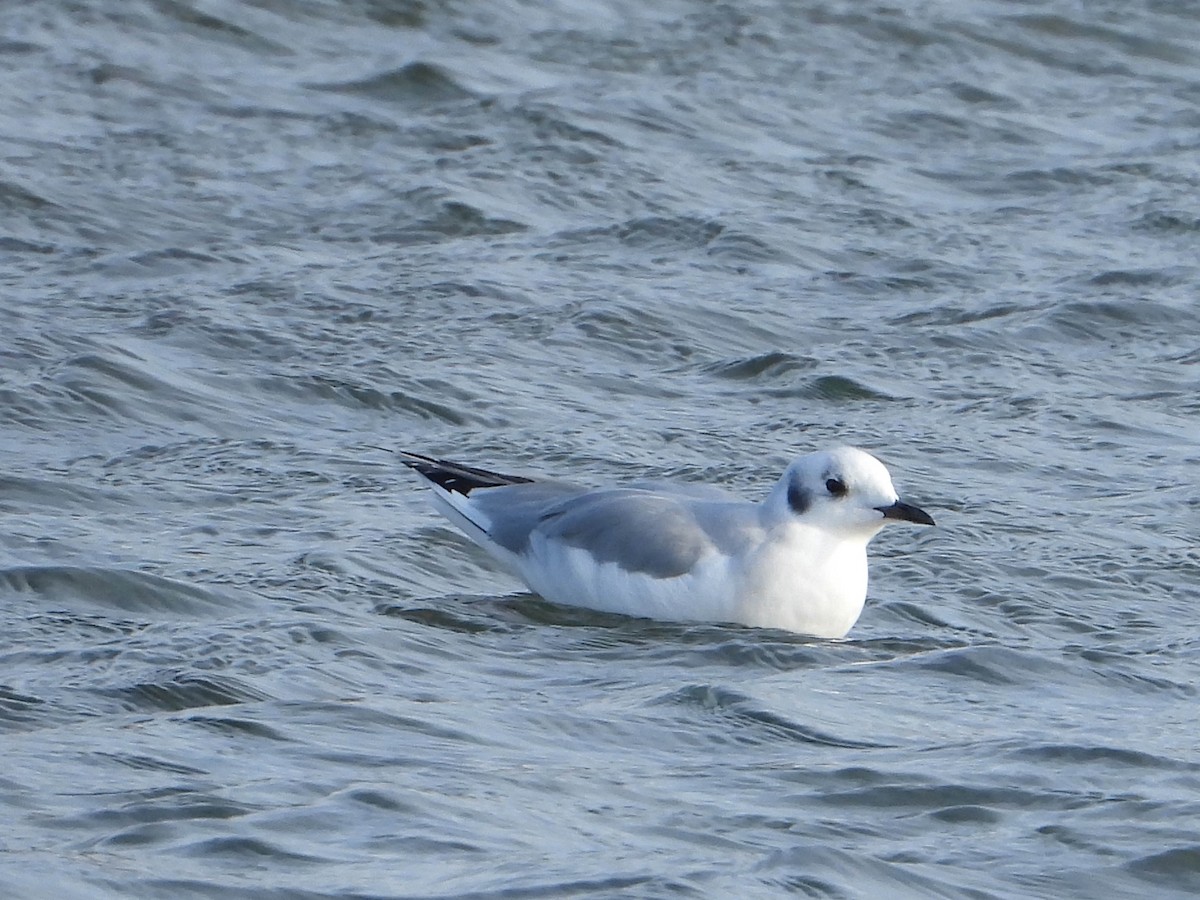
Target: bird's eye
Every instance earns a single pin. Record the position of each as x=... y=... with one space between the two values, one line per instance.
x=836 y=486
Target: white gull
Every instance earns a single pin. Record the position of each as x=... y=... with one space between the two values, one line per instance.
x=797 y=560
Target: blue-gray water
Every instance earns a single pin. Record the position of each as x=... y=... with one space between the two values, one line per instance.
x=242 y=244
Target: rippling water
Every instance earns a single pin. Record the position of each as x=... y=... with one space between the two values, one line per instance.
x=243 y=244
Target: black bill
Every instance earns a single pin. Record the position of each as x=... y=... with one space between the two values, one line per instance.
x=906 y=512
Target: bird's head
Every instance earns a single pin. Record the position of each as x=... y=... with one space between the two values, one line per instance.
x=844 y=489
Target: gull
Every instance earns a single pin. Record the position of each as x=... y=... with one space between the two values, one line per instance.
x=797 y=560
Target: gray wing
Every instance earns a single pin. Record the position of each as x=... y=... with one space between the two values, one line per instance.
x=686 y=489
x=510 y=513
x=641 y=531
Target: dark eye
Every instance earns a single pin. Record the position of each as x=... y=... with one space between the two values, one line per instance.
x=836 y=486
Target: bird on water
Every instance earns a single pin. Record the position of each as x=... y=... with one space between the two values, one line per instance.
x=796 y=560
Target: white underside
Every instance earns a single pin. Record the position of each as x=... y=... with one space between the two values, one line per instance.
x=796 y=579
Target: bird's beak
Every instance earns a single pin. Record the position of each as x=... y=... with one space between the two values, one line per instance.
x=906 y=512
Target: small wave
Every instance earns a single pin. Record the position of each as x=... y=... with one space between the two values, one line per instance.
x=159 y=262
x=925 y=798
x=453 y=219
x=530 y=609
x=167 y=806
x=442 y=619
x=416 y=84
x=364 y=396
x=987 y=664
x=550 y=125
x=651 y=234
x=20 y=711
x=119 y=589
x=113 y=383
x=1140 y=278
x=626 y=330
x=711 y=645
x=821 y=869
x=44 y=493
x=237 y=727
x=16 y=245
x=183 y=692
x=1076 y=755
x=763 y=367
x=953 y=314
x=1179 y=867
x=15 y=199
x=1169 y=221
x=751 y=724
x=1113 y=319
x=247 y=850
x=182 y=17
x=833 y=389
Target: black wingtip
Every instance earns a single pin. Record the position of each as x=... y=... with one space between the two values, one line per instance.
x=455 y=477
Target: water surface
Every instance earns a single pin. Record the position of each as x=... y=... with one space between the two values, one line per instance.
x=244 y=244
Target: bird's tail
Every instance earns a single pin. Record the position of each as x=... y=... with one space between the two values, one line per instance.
x=455 y=478
x=452 y=485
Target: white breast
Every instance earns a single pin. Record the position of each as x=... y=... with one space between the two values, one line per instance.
x=804 y=581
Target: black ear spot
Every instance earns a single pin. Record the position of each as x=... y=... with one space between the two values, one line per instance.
x=798 y=499
x=837 y=487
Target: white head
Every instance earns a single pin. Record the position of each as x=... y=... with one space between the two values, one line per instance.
x=844 y=489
